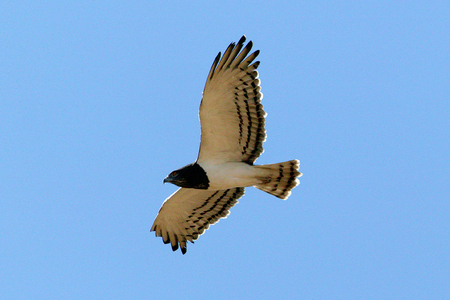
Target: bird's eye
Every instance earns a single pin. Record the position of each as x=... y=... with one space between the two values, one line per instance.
x=174 y=174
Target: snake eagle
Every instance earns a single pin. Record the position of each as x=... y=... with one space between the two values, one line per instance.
x=232 y=134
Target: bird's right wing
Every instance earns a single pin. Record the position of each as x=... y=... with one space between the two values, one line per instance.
x=187 y=213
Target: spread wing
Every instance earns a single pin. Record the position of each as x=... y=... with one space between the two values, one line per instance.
x=187 y=213
x=231 y=114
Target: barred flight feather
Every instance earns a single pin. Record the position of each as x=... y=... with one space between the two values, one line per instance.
x=190 y=212
x=231 y=113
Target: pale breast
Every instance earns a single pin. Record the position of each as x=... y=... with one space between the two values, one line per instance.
x=230 y=175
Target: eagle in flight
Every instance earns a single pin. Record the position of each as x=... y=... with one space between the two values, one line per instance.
x=232 y=134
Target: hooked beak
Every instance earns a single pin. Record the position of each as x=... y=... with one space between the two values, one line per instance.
x=175 y=181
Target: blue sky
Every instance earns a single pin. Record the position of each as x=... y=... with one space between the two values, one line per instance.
x=99 y=102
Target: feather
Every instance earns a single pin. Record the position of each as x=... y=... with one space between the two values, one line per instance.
x=231 y=114
x=187 y=213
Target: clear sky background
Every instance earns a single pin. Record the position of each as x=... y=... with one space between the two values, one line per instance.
x=99 y=102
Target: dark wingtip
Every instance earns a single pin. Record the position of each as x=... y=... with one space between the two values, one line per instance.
x=183 y=250
x=242 y=39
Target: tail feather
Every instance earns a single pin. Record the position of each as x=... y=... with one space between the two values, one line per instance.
x=280 y=178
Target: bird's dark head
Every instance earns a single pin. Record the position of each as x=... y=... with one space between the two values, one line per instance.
x=191 y=176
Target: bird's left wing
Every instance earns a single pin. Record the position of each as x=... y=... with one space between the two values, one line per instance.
x=187 y=213
x=231 y=114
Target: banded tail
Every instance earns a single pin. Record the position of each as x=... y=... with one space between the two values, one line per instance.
x=281 y=178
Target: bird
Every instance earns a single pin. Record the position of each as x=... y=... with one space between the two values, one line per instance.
x=232 y=122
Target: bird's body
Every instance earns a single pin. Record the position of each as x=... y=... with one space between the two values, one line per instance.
x=232 y=123
x=231 y=174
